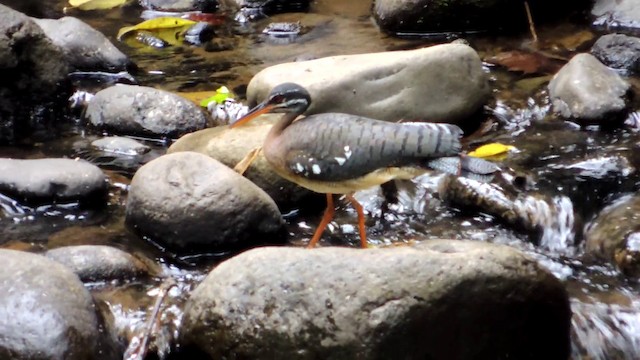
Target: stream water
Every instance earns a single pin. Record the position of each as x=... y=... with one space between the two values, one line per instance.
x=606 y=304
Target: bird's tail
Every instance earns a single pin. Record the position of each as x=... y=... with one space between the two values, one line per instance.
x=467 y=166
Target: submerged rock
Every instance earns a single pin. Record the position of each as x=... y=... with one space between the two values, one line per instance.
x=230 y=146
x=614 y=235
x=618 y=51
x=99 y=263
x=190 y=202
x=486 y=302
x=132 y=109
x=181 y=5
x=586 y=90
x=36 y=181
x=46 y=312
x=443 y=83
x=33 y=76
x=120 y=145
x=84 y=47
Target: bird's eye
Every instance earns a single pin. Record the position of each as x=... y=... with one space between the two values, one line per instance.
x=277 y=99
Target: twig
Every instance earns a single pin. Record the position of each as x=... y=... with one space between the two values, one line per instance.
x=139 y=351
x=532 y=27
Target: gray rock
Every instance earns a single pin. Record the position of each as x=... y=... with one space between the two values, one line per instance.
x=190 y=202
x=53 y=180
x=443 y=83
x=614 y=235
x=438 y=300
x=131 y=109
x=616 y=15
x=84 y=47
x=46 y=312
x=34 y=76
x=618 y=51
x=230 y=146
x=420 y=16
x=586 y=90
x=181 y=5
x=120 y=145
x=100 y=263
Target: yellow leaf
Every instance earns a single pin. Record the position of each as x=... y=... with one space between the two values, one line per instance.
x=96 y=4
x=490 y=150
x=197 y=96
x=155 y=24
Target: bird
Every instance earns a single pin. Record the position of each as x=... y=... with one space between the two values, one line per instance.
x=337 y=153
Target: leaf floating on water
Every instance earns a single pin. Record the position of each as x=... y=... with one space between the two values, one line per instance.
x=527 y=62
x=492 y=150
x=96 y=4
x=221 y=94
x=156 y=24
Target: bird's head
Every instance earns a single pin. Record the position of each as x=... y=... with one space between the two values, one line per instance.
x=284 y=98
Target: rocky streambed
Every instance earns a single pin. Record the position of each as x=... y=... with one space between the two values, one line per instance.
x=126 y=232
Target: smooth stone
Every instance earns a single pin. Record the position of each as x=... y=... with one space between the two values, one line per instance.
x=85 y=48
x=46 y=312
x=132 y=109
x=616 y=15
x=94 y=263
x=34 y=76
x=614 y=235
x=53 y=180
x=442 y=83
x=190 y=202
x=486 y=302
x=120 y=145
x=230 y=146
x=618 y=51
x=586 y=90
x=181 y=5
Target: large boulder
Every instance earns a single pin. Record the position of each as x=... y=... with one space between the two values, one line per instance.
x=46 y=312
x=33 y=90
x=141 y=110
x=84 y=47
x=190 y=203
x=35 y=181
x=230 y=146
x=443 y=83
x=437 y=300
x=618 y=51
x=587 y=91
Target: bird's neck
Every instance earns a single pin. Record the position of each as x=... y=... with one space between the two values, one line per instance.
x=281 y=124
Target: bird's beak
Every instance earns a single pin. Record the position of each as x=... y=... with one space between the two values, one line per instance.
x=260 y=109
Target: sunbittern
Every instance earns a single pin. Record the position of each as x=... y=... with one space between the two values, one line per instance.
x=336 y=153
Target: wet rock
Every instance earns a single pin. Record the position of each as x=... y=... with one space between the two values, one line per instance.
x=614 y=235
x=120 y=145
x=99 y=263
x=33 y=89
x=190 y=202
x=84 y=47
x=586 y=90
x=131 y=109
x=389 y=85
x=181 y=5
x=487 y=301
x=616 y=15
x=549 y=221
x=618 y=51
x=268 y=7
x=420 y=16
x=37 y=181
x=46 y=312
x=230 y=146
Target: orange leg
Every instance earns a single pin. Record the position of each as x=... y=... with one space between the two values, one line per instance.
x=361 y=228
x=326 y=218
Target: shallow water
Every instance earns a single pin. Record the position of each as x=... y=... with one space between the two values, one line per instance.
x=606 y=305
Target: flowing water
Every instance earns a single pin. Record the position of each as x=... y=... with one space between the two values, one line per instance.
x=606 y=304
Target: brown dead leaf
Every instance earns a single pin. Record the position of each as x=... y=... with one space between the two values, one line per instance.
x=527 y=62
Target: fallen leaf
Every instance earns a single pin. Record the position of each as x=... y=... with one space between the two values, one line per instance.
x=491 y=150
x=96 y=4
x=161 y=23
x=222 y=94
x=527 y=62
